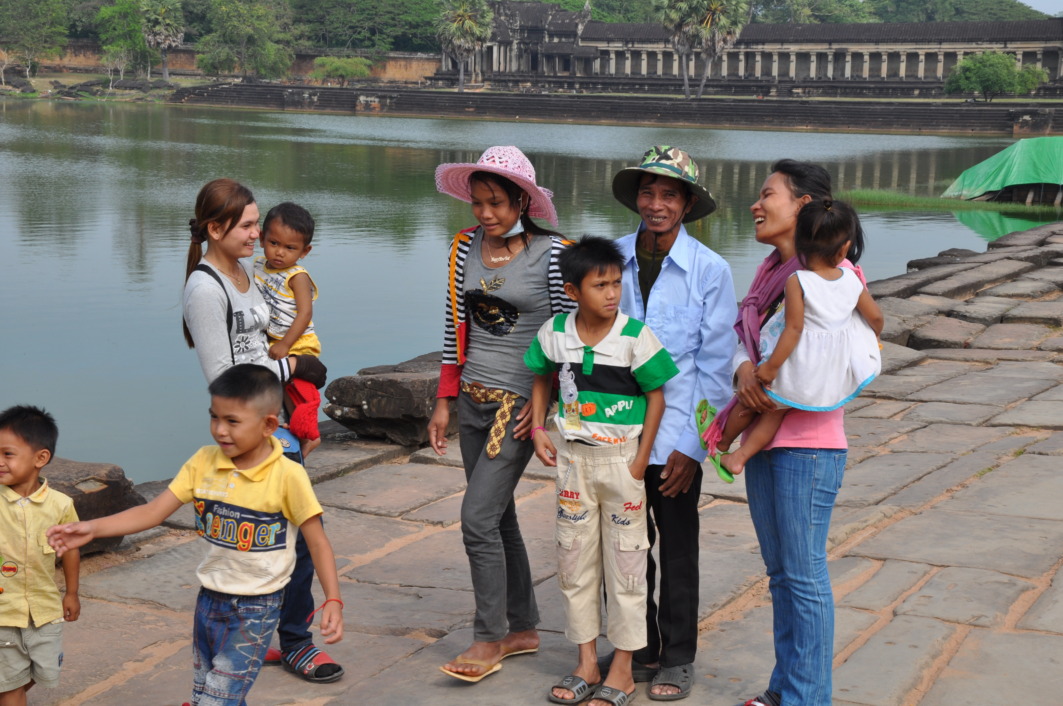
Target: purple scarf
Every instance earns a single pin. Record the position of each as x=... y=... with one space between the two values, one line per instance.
x=768 y=284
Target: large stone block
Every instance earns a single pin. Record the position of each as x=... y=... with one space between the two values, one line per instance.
x=392 y=402
x=995 y=668
x=944 y=332
x=968 y=282
x=98 y=489
x=1022 y=289
x=908 y=284
x=984 y=310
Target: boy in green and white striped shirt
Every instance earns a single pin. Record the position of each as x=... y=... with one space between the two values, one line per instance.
x=611 y=369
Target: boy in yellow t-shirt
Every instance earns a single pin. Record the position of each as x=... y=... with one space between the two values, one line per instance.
x=248 y=499
x=31 y=611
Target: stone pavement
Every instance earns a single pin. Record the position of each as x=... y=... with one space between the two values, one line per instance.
x=945 y=544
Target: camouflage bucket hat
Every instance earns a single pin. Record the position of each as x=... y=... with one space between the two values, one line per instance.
x=664 y=161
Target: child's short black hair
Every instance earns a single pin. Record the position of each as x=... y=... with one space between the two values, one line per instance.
x=589 y=254
x=824 y=226
x=252 y=384
x=33 y=425
x=294 y=216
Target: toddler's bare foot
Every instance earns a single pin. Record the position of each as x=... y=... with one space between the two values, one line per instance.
x=733 y=463
x=309 y=445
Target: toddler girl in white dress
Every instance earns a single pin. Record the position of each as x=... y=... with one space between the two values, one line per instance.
x=822 y=347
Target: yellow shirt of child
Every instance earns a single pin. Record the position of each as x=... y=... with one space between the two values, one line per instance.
x=249 y=517
x=27 y=562
x=276 y=289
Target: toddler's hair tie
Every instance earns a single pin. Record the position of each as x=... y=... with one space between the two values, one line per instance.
x=827 y=203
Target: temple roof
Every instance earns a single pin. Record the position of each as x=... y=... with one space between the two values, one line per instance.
x=620 y=31
x=515 y=19
x=905 y=32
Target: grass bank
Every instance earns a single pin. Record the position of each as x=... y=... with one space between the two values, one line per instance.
x=892 y=201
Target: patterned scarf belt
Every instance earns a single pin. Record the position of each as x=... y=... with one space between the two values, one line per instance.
x=484 y=395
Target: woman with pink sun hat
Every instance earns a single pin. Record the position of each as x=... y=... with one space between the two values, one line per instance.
x=503 y=284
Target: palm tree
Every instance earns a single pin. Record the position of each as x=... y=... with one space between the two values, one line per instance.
x=718 y=31
x=164 y=28
x=681 y=19
x=462 y=28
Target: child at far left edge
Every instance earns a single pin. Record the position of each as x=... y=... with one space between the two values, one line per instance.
x=248 y=499
x=290 y=293
x=31 y=610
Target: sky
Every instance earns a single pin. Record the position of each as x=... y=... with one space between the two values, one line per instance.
x=1052 y=7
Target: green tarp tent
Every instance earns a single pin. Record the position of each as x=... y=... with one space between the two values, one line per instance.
x=1035 y=160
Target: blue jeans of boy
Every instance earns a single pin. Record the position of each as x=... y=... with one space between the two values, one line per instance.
x=229 y=642
x=791 y=495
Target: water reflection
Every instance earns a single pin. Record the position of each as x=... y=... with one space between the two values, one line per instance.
x=98 y=197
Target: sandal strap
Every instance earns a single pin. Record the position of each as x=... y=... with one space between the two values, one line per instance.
x=307 y=659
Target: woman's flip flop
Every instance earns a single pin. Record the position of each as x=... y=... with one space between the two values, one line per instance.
x=489 y=669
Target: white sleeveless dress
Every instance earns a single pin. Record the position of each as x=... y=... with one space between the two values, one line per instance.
x=838 y=354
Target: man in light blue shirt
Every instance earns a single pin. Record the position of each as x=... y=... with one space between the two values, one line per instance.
x=684 y=292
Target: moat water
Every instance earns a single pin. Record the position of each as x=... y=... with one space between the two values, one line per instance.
x=97 y=196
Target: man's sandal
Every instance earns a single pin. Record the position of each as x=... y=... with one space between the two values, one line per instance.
x=639 y=671
x=581 y=690
x=681 y=677
x=613 y=696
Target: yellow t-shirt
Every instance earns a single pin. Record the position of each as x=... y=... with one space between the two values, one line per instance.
x=27 y=563
x=249 y=518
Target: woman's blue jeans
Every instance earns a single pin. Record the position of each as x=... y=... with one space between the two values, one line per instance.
x=791 y=495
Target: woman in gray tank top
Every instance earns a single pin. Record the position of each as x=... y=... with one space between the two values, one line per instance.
x=503 y=284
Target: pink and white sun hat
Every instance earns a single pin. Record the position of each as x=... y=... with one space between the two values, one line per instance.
x=509 y=162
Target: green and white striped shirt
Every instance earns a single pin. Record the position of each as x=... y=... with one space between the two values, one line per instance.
x=602 y=398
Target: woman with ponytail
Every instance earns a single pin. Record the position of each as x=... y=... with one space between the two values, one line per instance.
x=793 y=482
x=225 y=320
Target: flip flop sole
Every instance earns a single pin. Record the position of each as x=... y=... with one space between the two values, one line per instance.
x=470 y=677
x=529 y=651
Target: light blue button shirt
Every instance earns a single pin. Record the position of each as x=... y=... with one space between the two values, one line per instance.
x=692 y=310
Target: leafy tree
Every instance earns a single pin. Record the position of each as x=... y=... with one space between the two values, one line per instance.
x=369 y=24
x=992 y=74
x=811 y=11
x=115 y=58
x=249 y=34
x=197 y=21
x=120 y=26
x=349 y=24
x=343 y=68
x=81 y=18
x=718 y=31
x=463 y=27
x=953 y=11
x=33 y=29
x=163 y=28
x=417 y=25
x=682 y=20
